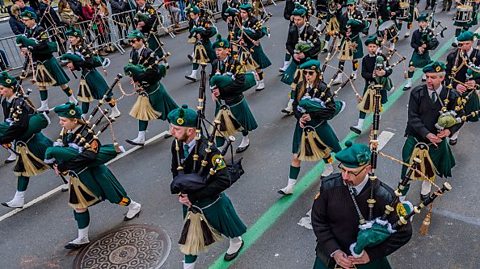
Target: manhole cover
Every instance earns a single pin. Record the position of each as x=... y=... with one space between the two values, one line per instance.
x=133 y=246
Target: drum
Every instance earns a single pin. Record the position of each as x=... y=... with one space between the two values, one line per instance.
x=388 y=29
x=404 y=11
x=369 y=6
x=464 y=14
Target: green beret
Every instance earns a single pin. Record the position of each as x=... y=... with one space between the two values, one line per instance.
x=434 y=67
x=422 y=17
x=221 y=43
x=23 y=40
x=220 y=81
x=354 y=155
x=183 y=116
x=135 y=34
x=134 y=71
x=231 y=11
x=354 y=23
x=300 y=10
x=69 y=110
x=247 y=7
x=311 y=65
x=372 y=40
x=465 y=36
x=7 y=81
x=29 y=15
x=193 y=9
x=351 y=2
x=74 y=32
x=71 y=57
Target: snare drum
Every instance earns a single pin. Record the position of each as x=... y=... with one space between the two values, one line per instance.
x=464 y=14
x=369 y=6
x=389 y=29
x=404 y=11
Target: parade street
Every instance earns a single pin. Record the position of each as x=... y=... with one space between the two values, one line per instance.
x=35 y=236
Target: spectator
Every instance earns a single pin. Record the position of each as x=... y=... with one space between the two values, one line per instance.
x=3 y=61
x=49 y=19
x=99 y=25
x=35 y=4
x=120 y=17
x=66 y=13
x=22 y=6
x=174 y=12
x=15 y=22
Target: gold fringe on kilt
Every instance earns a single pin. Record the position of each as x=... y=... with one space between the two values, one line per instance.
x=312 y=147
x=84 y=92
x=28 y=165
x=346 y=51
x=229 y=125
x=192 y=40
x=143 y=110
x=43 y=78
x=200 y=55
x=426 y=164
x=79 y=195
x=333 y=26
x=367 y=104
x=298 y=78
x=195 y=230
x=247 y=61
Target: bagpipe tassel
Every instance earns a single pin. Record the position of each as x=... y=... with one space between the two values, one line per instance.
x=28 y=165
x=312 y=147
x=297 y=78
x=84 y=93
x=346 y=53
x=196 y=231
x=426 y=221
x=143 y=110
x=229 y=125
x=79 y=195
x=43 y=78
x=367 y=105
x=426 y=164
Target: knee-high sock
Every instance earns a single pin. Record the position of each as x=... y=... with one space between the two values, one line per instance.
x=294 y=171
x=22 y=183
x=190 y=258
x=260 y=75
x=83 y=219
x=341 y=65
x=328 y=159
x=410 y=74
x=244 y=132
x=362 y=115
x=195 y=66
x=85 y=107
x=43 y=95
x=142 y=125
x=288 y=57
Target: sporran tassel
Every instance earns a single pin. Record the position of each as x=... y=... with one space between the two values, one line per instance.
x=228 y=123
x=84 y=93
x=143 y=110
x=79 y=195
x=426 y=164
x=28 y=165
x=312 y=147
x=367 y=103
x=43 y=78
x=195 y=235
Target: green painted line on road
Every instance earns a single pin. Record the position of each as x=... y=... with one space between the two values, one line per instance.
x=268 y=219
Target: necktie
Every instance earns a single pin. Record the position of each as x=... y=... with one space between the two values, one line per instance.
x=69 y=137
x=185 y=150
x=434 y=97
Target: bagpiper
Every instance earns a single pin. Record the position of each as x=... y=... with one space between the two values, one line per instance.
x=22 y=127
x=201 y=30
x=209 y=200
x=424 y=139
x=333 y=17
x=465 y=17
x=249 y=35
x=226 y=61
x=423 y=41
x=92 y=84
x=462 y=75
x=313 y=139
x=153 y=101
x=48 y=71
x=376 y=71
x=351 y=47
x=387 y=15
x=411 y=15
x=90 y=180
x=303 y=43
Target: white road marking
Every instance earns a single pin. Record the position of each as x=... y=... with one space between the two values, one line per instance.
x=59 y=188
x=456 y=216
x=383 y=139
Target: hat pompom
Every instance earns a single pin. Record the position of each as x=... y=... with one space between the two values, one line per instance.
x=185 y=106
x=348 y=143
x=219 y=37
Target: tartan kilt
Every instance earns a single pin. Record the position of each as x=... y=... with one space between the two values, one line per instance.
x=55 y=70
x=160 y=100
x=324 y=131
x=289 y=74
x=97 y=84
x=242 y=113
x=473 y=104
x=153 y=44
x=260 y=57
x=101 y=181
x=420 y=60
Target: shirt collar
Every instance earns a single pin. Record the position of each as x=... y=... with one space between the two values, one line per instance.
x=74 y=130
x=438 y=90
x=10 y=100
x=362 y=184
x=191 y=145
x=469 y=52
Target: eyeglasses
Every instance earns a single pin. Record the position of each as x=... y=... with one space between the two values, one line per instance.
x=131 y=41
x=308 y=72
x=343 y=170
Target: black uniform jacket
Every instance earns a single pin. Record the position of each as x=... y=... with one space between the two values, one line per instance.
x=18 y=112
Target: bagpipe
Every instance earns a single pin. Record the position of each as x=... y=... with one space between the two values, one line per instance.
x=248 y=32
x=244 y=56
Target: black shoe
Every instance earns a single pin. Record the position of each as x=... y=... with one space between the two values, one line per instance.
x=355 y=130
x=406 y=88
x=131 y=142
x=229 y=257
x=452 y=142
x=423 y=197
x=191 y=79
x=242 y=149
x=7 y=161
x=190 y=57
x=287 y=112
x=75 y=246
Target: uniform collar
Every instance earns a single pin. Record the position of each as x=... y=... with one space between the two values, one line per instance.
x=362 y=184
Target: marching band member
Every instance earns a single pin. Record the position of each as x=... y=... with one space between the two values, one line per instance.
x=249 y=36
x=216 y=206
x=351 y=48
x=93 y=181
x=92 y=84
x=313 y=106
x=459 y=77
x=226 y=61
x=335 y=223
x=201 y=31
x=48 y=71
x=22 y=127
x=466 y=21
x=424 y=107
x=410 y=18
x=332 y=20
x=375 y=70
x=423 y=41
x=153 y=101
x=387 y=11
x=147 y=21
x=303 y=43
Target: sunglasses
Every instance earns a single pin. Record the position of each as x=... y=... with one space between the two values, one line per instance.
x=131 y=41
x=343 y=170
x=308 y=72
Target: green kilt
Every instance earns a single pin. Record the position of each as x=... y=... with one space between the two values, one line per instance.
x=153 y=44
x=289 y=74
x=473 y=104
x=383 y=92
x=260 y=57
x=441 y=156
x=358 y=53
x=420 y=60
x=221 y=215
x=324 y=131
x=97 y=84
x=38 y=144
x=160 y=100
x=56 y=71
x=103 y=184
x=378 y=264
x=241 y=111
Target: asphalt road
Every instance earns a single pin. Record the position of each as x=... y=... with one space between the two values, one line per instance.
x=34 y=238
